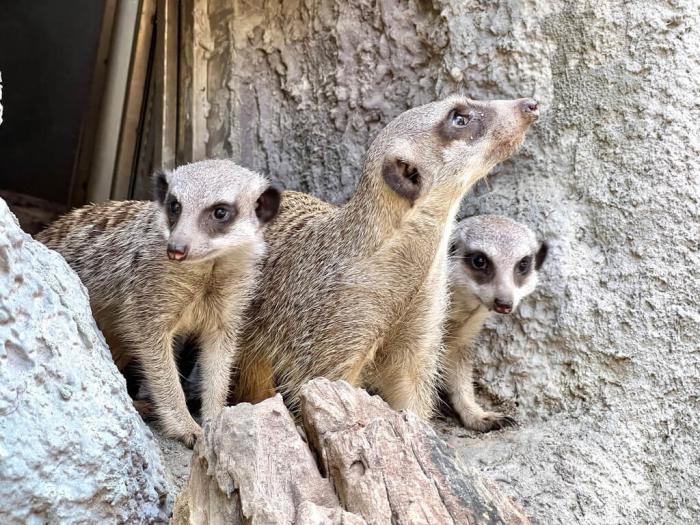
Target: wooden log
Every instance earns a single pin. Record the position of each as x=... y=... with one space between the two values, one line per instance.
x=252 y=466
x=390 y=467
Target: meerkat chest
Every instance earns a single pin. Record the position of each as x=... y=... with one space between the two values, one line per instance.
x=211 y=300
x=203 y=310
x=472 y=325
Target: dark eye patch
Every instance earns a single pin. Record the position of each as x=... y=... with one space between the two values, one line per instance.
x=173 y=209
x=523 y=269
x=462 y=123
x=217 y=219
x=524 y=266
x=480 y=266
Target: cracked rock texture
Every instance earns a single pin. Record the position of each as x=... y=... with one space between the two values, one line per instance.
x=390 y=467
x=380 y=466
x=252 y=467
x=72 y=447
x=601 y=365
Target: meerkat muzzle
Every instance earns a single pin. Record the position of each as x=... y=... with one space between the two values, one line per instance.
x=530 y=109
x=502 y=307
x=177 y=252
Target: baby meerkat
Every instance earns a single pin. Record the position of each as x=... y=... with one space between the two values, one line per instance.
x=184 y=264
x=494 y=265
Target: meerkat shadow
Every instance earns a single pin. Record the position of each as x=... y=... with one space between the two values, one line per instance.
x=186 y=350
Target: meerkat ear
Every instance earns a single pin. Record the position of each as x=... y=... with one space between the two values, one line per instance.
x=541 y=255
x=402 y=177
x=268 y=204
x=454 y=239
x=160 y=186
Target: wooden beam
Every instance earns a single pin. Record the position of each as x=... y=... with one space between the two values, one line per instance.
x=166 y=82
x=134 y=103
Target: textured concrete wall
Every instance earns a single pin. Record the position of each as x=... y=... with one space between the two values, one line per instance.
x=601 y=364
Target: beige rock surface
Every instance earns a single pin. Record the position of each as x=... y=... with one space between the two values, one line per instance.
x=253 y=466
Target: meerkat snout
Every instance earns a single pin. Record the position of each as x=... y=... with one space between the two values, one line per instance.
x=530 y=108
x=207 y=214
x=502 y=307
x=177 y=252
x=494 y=265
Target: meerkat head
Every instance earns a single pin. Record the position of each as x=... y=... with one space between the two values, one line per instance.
x=213 y=207
x=495 y=260
x=456 y=139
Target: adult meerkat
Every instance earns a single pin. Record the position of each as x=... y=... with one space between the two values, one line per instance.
x=358 y=292
x=494 y=265
x=183 y=264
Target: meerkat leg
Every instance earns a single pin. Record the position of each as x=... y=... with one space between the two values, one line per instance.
x=163 y=380
x=407 y=372
x=459 y=383
x=215 y=362
x=255 y=380
x=406 y=366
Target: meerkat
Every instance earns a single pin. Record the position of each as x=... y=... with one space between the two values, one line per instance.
x=358 y=292
x=185 y=263
x=494 y=264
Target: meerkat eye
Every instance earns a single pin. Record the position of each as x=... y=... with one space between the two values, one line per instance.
x=524 y=265
x=461 y=121
x=175 y=207
x=478 y=261
x=221 y=214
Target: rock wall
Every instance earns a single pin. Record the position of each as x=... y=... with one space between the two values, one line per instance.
x=72 y=447
x=601 y=365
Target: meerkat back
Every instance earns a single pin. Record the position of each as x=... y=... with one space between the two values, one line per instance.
x=105 y=243
x=494 y=265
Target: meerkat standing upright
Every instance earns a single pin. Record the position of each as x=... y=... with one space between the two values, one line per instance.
x=358 y=292
x=208 y=219
x=494 y=264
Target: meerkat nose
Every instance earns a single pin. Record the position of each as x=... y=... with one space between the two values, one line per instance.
x=530 y=109
x=502 y=307
x=177 y=252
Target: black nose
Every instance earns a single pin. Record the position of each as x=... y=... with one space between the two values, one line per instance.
x=177 y=252
x=530 y=108
x=502 y=307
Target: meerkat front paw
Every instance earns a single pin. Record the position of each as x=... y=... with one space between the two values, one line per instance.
x=191 y=436
x=188 y=433
x=485 y=421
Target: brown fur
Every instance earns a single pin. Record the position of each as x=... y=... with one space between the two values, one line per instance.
x=358 y=292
